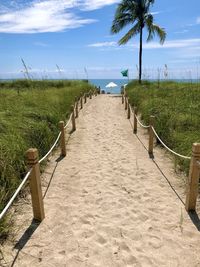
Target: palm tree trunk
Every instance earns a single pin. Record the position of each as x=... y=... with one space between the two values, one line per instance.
x=140 y=56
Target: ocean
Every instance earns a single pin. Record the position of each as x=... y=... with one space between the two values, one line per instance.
x=103 y=82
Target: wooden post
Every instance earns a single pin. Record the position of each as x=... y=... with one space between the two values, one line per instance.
x=76 y=107
x=129 y=110
x=62 y=139
x=85 y=98
x=126 y=106
x=90 y=94
x=122 y=89
x=151 y=136
x=122 y=99
x=135 y=121
x=193 y=179
x=82 y=102
x=35 y=184
x=73 y=119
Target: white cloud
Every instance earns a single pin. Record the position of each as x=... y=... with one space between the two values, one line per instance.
x=182 y=31
x=156 y=13
x=47 y=15
x=104 y=44
x=173 y=44
x=181 y=43
x=198 y=20
x=41 y=44
x=96 y=4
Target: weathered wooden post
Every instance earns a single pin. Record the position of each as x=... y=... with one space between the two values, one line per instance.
x=85 y=98
x=135 y=121
x=90 y=93
x=122 y=99
x=129 y=109
x=151 y=136
x=122 y=89
x=81 y=101
x=125 y=100
x=73 y=119
x=76 y=106
x=35 y=184
x=62 y=139
x=193 y=179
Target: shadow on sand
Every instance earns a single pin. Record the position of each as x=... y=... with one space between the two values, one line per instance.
x=34 y=224
x=195 y=219
x=24 y=239
x=192 y=214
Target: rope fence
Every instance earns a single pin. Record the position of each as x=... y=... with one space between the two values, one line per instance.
x=194 y=172
x=33 y=163
x=170 y=150
x=140 y=123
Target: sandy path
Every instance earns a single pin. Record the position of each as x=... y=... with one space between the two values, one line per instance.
x=108 y=204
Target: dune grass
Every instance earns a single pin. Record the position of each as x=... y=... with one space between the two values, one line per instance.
x=29 y=116
x=176 y=109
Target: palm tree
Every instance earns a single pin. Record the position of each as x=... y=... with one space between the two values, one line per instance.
x=137 y=13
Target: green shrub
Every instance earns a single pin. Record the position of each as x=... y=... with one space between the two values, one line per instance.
x=175 y=107
x=29 y=116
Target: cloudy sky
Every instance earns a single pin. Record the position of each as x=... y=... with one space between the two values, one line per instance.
x=75 y=35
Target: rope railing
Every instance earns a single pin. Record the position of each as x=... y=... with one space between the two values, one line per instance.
x=194 y=172
x=67 y=124
x=173 y=152
x=140 y=123
x=156 y=134
x=51 y=149
x=34 y=164
x=15 y=194
x=138 y=120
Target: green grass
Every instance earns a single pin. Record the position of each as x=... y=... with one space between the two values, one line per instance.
x=176 y=109
x=29 y=116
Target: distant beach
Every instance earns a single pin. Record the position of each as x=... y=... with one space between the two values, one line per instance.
x=103 y=82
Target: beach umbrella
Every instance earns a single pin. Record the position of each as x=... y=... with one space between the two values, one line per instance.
x=111 y=85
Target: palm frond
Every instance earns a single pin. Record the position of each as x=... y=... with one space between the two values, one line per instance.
x=120 y=22
x=125 y=14
x=132 y=32
x=160 y=32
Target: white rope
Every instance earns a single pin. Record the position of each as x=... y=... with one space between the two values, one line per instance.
x=173 y=152
x=45 y=156
x=15 y=194
x=28 y=174
x=49 y=152
x=142 y=125
x=68 y=121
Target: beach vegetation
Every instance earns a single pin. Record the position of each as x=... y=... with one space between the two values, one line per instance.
x=29 y=116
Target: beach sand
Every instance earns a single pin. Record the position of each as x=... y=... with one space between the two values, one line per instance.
x=108 y=203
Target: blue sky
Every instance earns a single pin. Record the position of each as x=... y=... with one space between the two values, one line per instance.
x=75 y=34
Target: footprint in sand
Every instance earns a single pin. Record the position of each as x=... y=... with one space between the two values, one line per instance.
x=124 y=246
x=101 y=240
x=155 y=242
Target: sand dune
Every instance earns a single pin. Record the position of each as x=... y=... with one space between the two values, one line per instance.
x=108 y=204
